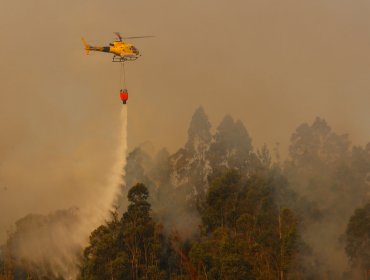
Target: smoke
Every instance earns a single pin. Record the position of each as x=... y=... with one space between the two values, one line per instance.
x=271 y=64
x=52 y=244
x=98 y=210
x=326 y=170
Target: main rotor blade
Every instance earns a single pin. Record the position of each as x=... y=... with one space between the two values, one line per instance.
x=138 y=37
x=118 y=35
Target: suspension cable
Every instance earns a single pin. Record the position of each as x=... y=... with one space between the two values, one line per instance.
x=124 y=75
x=121 y=76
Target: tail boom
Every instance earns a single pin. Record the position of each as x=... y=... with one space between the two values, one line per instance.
x=89 y=48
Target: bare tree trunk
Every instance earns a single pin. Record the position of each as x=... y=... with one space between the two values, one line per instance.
x=205 y=272
x=9 y=265
x=281 y=272
x=111 y=269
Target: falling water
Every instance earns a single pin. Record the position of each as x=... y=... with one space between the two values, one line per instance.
x=57 y=244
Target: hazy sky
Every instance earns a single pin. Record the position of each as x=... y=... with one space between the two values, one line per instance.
x=272 y=64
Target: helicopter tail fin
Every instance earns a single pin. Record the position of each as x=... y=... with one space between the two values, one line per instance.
x=87 y=47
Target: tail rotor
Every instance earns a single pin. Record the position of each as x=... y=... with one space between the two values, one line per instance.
x=87 y=47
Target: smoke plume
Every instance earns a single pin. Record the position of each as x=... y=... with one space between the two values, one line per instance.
x=52 y=244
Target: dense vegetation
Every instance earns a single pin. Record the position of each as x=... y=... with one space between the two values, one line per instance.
x=220 y=209
x=358 y=240
x=244 y=235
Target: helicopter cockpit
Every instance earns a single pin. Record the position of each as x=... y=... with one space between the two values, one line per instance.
x=134 y=50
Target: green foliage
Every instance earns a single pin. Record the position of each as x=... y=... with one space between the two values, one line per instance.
x=251 y=219
x=247 y=236
x=252 y=210
x=138 y=195
x=221 y=256
x=103 y=258
x=244 y=214
x=138 y=163
x=358 y=238
x=129 y=248
x=222 y=201
x=139 y=234
x=199 y=134
x=189 y=165
x=331 y=180
x=231 y=148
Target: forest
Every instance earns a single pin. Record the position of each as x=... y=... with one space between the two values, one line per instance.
x=220 y=208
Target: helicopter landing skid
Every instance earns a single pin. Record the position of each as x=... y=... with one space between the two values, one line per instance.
x=123 y=58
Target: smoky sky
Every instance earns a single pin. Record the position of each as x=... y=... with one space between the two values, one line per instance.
x=272 y=64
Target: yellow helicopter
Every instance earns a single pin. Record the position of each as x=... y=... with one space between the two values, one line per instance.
x=121 y=51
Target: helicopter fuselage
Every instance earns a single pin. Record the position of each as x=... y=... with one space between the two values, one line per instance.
x=118 y=48
x=122 y=49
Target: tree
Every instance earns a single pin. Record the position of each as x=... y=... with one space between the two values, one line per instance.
x=199 y=132
x=190 y=167
x=288 y=239
x=231 y=147
x=244 y=213
x=358 y=239
x=161 y=169
x=104 y=257
x=141 y=236
x=222 y=201
x=221 y=256
x=316 y=153
x=138 y=165
x=130 y=246
x=324 y=171
x=7 y=262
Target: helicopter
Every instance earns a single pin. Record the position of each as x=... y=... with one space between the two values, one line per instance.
x=121 y=50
